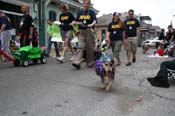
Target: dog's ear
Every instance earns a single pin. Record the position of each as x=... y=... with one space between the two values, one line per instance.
x=112 y=61
x=97 y=54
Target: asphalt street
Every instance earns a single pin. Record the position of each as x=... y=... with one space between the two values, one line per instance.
x=55 y=89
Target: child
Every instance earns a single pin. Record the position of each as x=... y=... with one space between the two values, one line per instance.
x=14 y=44
x=159 y=51
x=35 y=38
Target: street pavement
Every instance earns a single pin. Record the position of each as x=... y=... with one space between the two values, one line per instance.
x=55 y=89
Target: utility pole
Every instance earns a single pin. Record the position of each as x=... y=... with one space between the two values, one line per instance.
x=41 y=17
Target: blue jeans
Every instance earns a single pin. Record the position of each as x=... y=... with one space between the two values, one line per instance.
x=50 y=45
x=163 y=73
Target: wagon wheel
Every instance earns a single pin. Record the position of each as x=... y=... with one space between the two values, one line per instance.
x=25 y=63
x=43 y=60
x=16 y=62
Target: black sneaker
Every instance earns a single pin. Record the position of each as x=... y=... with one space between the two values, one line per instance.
x=151 y=80
x=134 y=60
x=159 y=83
x=128 y=64
x=77 y=66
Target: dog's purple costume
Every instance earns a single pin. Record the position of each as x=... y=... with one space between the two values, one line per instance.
x=98 y=65
x=99 y=68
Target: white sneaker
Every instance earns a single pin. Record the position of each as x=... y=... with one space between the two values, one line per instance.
x=72 y=58
x=60 y=59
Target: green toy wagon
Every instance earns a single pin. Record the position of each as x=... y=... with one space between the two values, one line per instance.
x=28 y=54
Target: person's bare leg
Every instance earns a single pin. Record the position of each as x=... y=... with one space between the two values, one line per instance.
x=70 y=47
x=134 y=55
x=129 y=58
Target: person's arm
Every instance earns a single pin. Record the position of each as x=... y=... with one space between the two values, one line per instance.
x=31 y=28
x=108 y=38
x=123 y=31
x=3 y=27
x=138 y=32
x=4 y=24
x=92 y=24
x=172 y=37
x=138 y=29
x=94 y=18
x=124 y=36
x=76 y=21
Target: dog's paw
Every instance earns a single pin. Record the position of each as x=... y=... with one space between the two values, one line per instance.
x=107 y=89
x=108 y=86
x=103 y=86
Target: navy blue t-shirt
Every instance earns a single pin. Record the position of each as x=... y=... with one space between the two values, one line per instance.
x=131 y=25
x=115 y=31
x=86 y=17
x=66 y=19
x=4 y=20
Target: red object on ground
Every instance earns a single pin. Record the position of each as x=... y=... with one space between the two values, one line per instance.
x=161 y=52
x=7 y=56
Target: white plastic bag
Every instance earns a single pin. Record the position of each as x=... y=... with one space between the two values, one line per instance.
x=56 y=39
x=75 y=39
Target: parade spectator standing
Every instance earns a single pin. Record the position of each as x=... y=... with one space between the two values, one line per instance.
x=116 y=35
x=161 y=37
x=173 y=36
x=169 y=34
x=86 y=19
x=26 y=28
x=161 y=79
x=5 y=33
x=66 y=19
x=132 y=29
x=35 y=37
x=49 y=32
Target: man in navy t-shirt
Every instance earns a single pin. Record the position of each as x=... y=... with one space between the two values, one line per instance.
x=116 y=36
x=86 y=19
x=66 y=18
x=132 y=30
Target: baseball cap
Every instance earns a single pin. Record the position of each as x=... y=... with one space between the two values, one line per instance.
x=57 y=22
x=116 y=14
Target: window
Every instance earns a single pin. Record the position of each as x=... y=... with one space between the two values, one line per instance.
x=52 y=15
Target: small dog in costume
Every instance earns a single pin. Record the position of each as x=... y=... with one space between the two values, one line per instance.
x=105 y=68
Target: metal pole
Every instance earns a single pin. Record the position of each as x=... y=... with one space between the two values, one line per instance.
x=41 y=23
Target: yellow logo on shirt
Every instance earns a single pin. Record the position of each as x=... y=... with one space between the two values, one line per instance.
x=115 y=26
x=64 y=18
x=85 y=17
x=130 y=22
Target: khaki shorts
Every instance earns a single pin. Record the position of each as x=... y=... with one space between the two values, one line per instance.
x=131 y=43
x=69 y=34
x=116 y=47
